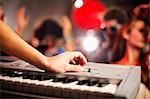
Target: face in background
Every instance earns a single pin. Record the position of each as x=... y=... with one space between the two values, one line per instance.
x=138 y=34
x=112 y=27
x=47 y=34
x=48 y=40
x=59 y=42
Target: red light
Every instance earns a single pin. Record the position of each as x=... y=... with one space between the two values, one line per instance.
x=89 y=15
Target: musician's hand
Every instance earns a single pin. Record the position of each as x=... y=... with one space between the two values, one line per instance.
x=67 y=61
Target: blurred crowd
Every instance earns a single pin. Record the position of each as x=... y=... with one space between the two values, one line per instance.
x=123 y=40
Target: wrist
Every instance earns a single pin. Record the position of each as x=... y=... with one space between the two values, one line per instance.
x=47 y=63
x=43 y=62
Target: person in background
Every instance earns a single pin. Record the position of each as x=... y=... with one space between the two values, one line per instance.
x=22 y=20
x=133 y=36
x=51 y=39
x=143 y=12
x=66 y=61
x=130 y=47
x=48 y=38
x=113 y=20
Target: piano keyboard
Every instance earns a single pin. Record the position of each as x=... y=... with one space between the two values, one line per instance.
x=89 y=84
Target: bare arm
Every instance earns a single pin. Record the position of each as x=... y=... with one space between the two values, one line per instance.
x=67 y=33
x=11 y=43
x=22 y=20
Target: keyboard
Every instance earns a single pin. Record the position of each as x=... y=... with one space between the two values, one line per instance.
x=98 y=81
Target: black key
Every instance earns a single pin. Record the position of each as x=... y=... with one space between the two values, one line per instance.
x=16 y=74
x=19 y=74
x=92 y=83
x=9 y=73
x=59 y=79
x=42 y=77
x=28 y=76
x=68 y=80
x=103 y=83
x=5 y=72
x=82 y=82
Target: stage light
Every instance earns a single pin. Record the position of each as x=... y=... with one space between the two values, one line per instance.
x=90 y=43
x=88 y=14
x=78 y=3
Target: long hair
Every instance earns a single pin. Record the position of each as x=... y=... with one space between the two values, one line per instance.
x=119 y=49
x=49 y=27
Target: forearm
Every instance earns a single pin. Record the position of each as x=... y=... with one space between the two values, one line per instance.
x=13 y=44
x=69 y=46
x=67 y=33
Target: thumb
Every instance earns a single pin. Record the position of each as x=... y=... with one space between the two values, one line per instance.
x=71 y=67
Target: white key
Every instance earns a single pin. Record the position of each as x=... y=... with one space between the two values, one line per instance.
x=33 y=81
x=43 y=82
x=29 y=81
x=17 y=79
x=110 y=88
x=25 y=80
x=84 y=88
x=80 y=87
x=69 y=85
x=58 y=84
x=7 y=78
x=1 y=77
x=92 y=88
x=75 y=87
x=20 y=80
x=49 y=83
x=96 y=89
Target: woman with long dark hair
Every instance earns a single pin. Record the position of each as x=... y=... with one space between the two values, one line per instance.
x=130 y=47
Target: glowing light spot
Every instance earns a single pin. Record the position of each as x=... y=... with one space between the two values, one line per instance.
x=90 y=43
x=78 y=3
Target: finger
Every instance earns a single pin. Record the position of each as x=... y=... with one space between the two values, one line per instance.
x=80 y=61
x=80 y=57
x=22 y=11
x=71 y=67
x=73 y=62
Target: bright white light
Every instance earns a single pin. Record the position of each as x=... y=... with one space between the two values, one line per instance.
x=90 y=43
x=78 y=3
